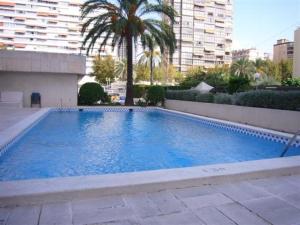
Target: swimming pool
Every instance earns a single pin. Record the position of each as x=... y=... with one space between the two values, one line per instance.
x=93 y=142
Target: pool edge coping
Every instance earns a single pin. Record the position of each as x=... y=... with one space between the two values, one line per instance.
x=69 y=188
x=66 y=188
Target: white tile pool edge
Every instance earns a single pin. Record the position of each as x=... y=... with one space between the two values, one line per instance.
x=66 y=188
x=11 y=133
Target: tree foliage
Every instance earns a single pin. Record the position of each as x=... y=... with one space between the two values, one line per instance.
x=243 y=68
x=142 y=72
x=103 y=68
x=119 y=21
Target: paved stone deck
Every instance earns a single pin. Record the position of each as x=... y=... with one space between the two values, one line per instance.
x=255 y=202
x=10 y=116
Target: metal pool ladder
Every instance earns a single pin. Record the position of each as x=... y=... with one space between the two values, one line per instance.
x=289 y=144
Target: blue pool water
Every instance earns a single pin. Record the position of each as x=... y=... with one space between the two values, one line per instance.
x=88 y=143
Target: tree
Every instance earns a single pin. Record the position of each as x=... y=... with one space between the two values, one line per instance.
x=116 y=21
x=173 y=74
x=121 y=69
x=142 y=72
x=285 y=69
x=103 y=68
x=152 y=59
x=243 y=68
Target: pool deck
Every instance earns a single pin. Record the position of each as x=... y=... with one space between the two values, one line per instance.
x=254 y=202
x=10 y=116
x=274 y=200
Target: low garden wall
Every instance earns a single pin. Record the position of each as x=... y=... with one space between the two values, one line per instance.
x=281 y=120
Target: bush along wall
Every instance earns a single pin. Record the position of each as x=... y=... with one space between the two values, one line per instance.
x=286 y=100
x=289 y=100
x=155 y=95
x=90 y=93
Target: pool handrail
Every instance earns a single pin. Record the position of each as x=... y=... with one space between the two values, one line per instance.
x=289 y=144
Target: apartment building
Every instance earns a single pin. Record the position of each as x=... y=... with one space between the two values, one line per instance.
x=251 y=54
x=296 y=63
x=44 y=25
x=203 y=31
x=283 y=50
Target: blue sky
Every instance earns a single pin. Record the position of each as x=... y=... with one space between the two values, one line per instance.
x=259 y=23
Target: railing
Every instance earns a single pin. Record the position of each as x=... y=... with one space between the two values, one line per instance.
x=289 y=144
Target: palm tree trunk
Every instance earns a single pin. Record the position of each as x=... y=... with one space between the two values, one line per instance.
x=129 y=85
x=151 y=69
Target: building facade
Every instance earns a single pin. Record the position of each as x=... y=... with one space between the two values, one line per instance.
x=251 y=54
x=44 y=25
x=203 y=31
x=283 y=50
x=296 y=63
x=53 y=75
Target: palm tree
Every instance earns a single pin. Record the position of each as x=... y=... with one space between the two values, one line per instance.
x=243 y=68
x=116 y=21
x=121 y=69
x=151 y=58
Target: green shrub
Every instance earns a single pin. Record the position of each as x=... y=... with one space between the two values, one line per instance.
x=176 y=87
x=106 y=98
x=205 y=97
x=223 y=99
x=139 y=91
x=155 y=95
x=90 y=93
x=289 y=100
x=190 y=95
x=266 y=81
x=238 y=84
x=291 y=82
x=185 y=95
x=141 y=103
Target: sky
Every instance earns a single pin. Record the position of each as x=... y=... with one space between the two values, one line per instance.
x=259 y=23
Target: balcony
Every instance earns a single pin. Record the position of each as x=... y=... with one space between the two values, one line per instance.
x=199 y=2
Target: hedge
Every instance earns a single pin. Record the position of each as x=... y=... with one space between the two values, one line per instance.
x=155 y=95
x=190 y=95
x=139 y=91
x=286 y=100
x=223 y=99
x=289 y=100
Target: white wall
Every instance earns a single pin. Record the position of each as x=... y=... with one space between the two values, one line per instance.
x=281 y=120
x=54 y=88
x=41 y=62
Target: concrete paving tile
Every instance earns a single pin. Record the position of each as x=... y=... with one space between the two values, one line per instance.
x=119 y=222
x=4 y=213
x=275 y=210
x=241 y=215
x=98 y=203
x=193 y=191
x=212 y=216
x=277 y=186
x=242 y=191
x=86 y=216
x=293 y=199
x=206 y=200
x=295 y=180
x=56 y=214
x=166 y=202
x=149 y=221
x=142 y=205
x=185 y=218
x=22 y=215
